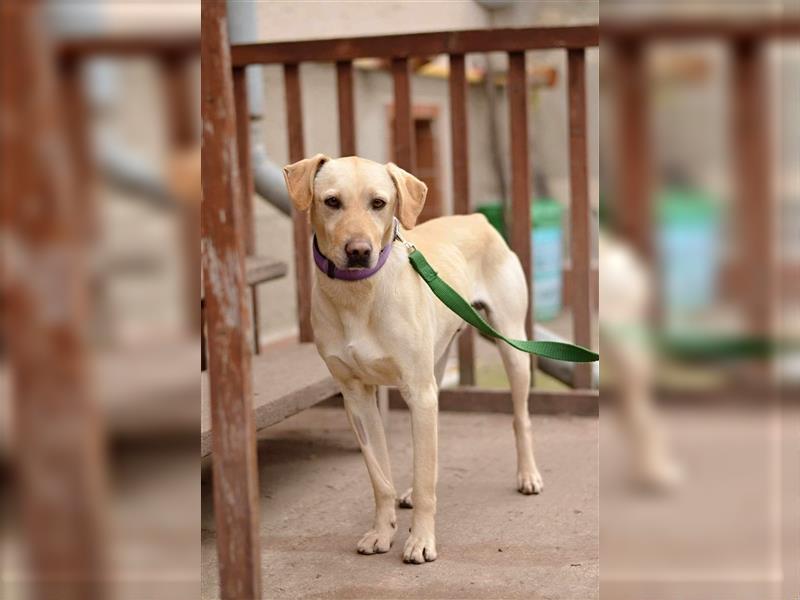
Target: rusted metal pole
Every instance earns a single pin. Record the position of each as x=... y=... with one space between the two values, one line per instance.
x=234 y=449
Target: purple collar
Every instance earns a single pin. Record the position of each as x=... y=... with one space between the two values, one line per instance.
x=331 y=270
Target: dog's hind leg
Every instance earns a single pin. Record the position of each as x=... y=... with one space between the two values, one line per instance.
x=362 y=411
x=505 y=300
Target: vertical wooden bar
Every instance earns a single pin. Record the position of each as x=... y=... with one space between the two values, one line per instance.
x=302 y=227
x=633 y=205
x=461 y=202
x=403 y=119
x=580 y=233
x=180 y=99
x=754 y=200
x=234 y=450
x=347 y=111
x=520 y=226
x=58 y=442
x=76 y=127
x=181 y=107
x=243 y=147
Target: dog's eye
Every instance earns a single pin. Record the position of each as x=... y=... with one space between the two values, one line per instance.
x=378 y=203
x=333 y=202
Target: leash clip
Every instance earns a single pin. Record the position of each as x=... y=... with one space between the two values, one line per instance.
x=408 y=245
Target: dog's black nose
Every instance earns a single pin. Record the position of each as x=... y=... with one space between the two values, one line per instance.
x=358 y=253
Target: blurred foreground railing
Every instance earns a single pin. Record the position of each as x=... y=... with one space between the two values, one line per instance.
x=756 y=267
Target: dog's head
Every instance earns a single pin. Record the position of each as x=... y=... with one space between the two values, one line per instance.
x=352 y=201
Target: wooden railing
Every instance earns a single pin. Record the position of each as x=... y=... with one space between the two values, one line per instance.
x=175 y=57
x=755 y=271
x=399 y=49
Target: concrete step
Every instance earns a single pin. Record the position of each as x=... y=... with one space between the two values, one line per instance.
x=264 y=268
x=286 y=380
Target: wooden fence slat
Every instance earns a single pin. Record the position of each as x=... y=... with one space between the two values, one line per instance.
x=418 y=44
x=754 y=201
x=788 y=26
x=120 y=46
x=236 y=503
x=179 y=98
x=403 y=119
x=580 y=233
x=76 y=122
x=520 y=222
x=243 y=148
x=58 y=441
x=461 y=201
x=633 y=204
x=347 y=112
x=300 y=221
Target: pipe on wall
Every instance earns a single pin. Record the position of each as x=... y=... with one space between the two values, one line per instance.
x=267 y=176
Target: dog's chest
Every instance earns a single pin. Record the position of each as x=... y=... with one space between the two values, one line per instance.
x=362 y=353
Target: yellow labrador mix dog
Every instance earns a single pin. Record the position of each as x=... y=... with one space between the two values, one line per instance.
x=377 y=323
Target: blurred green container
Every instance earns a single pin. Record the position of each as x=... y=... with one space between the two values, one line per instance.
x=689 y=223
x=494 y=214
x=547 y=244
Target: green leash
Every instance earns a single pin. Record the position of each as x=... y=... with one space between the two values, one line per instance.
x=456 y=303
x=704 y=346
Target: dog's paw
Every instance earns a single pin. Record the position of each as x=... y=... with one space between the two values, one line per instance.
x=659 y=475
x=376 y=541
x=404 y=501
x=419 y=549
x=530 y=483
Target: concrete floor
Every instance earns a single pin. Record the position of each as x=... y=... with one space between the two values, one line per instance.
x=731 y=531
x=493 y=542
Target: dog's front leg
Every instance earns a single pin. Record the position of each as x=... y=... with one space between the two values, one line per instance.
x=362 y=410
x=423 y=404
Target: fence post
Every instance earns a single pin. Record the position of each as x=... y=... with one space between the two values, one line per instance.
x=461 y=202
x=403 y=119
x=633 y=206
x=347 y=119
x=300 y=221
x=243 y=148
x=520 y=225
x=754 y=200
x=58 y=431
x=233 y=434
x=580 y=233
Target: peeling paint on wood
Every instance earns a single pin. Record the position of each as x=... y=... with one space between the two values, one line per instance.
x=229 y=368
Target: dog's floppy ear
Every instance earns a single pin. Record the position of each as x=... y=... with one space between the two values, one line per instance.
x=299 y=178
x=411 y=194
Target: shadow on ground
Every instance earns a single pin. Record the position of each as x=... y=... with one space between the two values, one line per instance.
x=316 y=502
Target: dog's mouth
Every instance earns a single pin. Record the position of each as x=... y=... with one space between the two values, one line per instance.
x=357 y=263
